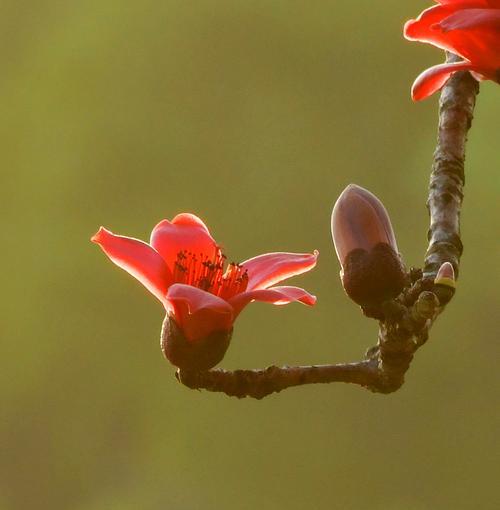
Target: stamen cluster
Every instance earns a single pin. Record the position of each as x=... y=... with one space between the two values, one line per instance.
x=206 y=273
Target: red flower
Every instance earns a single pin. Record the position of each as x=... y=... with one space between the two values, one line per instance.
x=468 y=28
x=185 y=269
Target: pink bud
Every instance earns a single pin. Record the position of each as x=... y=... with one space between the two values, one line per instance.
x=445 y=275
x=444 y=283
x=372 y=270
x=360 y=220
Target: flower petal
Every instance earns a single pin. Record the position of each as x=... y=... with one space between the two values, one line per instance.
x=434 y=78
x=476 y=3
x=198 y=312
x=138 y=259
x=276 y=295
x=475 y=34
x=426 y=29
x=271 y=268
x=469 y=32
x=472 y=18
x=185 y=232
x=420 y=29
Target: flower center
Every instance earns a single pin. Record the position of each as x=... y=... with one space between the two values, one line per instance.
x=199 y=270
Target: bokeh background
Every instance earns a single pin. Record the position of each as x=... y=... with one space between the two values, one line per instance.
x=254 y=115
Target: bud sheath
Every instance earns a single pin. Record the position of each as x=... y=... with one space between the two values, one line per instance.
x=372 y=271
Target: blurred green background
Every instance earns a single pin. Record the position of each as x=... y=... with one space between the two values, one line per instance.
x=254 y=115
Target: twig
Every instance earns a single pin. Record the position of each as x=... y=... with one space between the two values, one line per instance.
x=261 y=382
x=456 y=107
x=409 y=317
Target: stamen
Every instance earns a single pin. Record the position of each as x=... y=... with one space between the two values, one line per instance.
x=203 y=272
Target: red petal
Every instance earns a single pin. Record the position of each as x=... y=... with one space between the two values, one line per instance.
x=138 y=259
x=271 y=268
x=198 y=312
x=426 y=29
x=472 y=18
x=434 y=78
x=276 y=295
x=470 y=3
x=475 y=3
x=420 y=29
x=185 y=232
x=472 y=33
x=479 y=33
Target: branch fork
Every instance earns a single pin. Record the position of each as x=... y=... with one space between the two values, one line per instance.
x=409 y=317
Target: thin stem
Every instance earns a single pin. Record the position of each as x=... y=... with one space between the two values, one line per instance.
x=262 y=382
x=456 y=107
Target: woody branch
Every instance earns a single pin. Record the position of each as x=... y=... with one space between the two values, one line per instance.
x=409 y=317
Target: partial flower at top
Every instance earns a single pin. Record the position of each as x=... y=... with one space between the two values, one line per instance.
x=468 y=28
x=186 y=270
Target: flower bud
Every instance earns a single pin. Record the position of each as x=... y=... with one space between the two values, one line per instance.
x=445 y=275
x=444 y=283
x=372 y=271
x=192 y=355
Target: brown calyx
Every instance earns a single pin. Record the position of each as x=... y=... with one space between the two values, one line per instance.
x=372 y=277
x=192 y=355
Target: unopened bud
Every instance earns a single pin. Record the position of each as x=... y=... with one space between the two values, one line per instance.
x=445 y=283
x=192 y=355
x=372 y=271
x=445 y=275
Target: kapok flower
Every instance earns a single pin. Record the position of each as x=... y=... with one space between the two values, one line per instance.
x=185 y=269
x=468 y=28
x=371 y=267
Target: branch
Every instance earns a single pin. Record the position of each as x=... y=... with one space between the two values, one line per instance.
x=261 y=382
x=456 y=107
x=408 y=318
